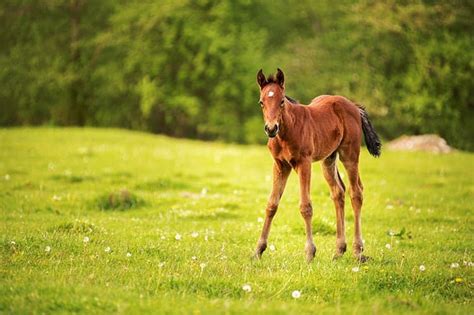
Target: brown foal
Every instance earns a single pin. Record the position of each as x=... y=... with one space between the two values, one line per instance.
x=299 y=135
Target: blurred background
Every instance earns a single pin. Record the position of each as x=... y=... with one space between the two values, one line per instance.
x=187 y=68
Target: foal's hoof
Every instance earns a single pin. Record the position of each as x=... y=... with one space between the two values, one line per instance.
x=340 y=250
x=358 y=249
x=362 y=258
x=310 y=250
x=259 y=251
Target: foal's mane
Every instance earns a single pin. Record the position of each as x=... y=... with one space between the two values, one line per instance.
x=291 y=100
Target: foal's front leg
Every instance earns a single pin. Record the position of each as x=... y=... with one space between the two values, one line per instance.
x=306 y=209
x=281 y=171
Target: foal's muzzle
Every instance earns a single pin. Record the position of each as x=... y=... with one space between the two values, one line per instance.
x=272 y=131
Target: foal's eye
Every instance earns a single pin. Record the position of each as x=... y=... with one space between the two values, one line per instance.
x=261 y=103
x=282 y=103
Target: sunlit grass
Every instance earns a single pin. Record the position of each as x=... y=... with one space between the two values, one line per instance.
x=123 y=222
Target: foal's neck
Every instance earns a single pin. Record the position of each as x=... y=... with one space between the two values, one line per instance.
x=287 y=121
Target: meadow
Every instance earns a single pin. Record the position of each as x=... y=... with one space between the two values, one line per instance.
x=114 y=221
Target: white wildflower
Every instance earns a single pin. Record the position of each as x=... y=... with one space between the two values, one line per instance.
x=247 y=288
x=56 y=198
x=129 y=254
x=194 y=234
x=107 y=249
x=86 y=239
x=296 y=294
x=272 y=247
x=388 y=246
x=422 y=268
x=177 y=237
x=202 y=265
x=260 y=220
x=161 y=264
x=194 y=258
x=47 y=249
x=454 y=265
x=355 y=269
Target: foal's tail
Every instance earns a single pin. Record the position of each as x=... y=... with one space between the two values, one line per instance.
x=372 y=140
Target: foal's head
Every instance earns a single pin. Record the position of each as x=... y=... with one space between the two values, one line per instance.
x=272 y=100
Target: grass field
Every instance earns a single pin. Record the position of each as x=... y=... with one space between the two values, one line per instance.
x=112 y=221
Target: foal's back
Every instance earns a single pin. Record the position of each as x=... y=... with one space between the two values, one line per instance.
x=337 y=122
x=341 y=106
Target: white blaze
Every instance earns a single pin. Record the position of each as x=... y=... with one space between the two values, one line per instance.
x=270 y=94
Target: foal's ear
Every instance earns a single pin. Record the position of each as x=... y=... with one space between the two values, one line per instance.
x=280 y=78
x=261 y=80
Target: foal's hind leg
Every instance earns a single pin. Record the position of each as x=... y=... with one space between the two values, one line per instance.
x=331 y=174
x=352 y=168
x=281 y=171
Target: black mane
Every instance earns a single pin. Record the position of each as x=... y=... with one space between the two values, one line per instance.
x=291 y=100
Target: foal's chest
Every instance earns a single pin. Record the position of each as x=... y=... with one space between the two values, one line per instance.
x=283 y=151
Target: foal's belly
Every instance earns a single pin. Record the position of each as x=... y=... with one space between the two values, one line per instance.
x=322 y=155
x=313 y=145
x=312 y=151
x=323 y=150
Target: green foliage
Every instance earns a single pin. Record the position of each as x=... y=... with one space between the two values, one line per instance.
x=430 y=86
x=76 y=227
x=75 y=259
x=187 y=68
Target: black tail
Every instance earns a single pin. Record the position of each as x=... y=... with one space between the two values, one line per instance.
x=372 y=140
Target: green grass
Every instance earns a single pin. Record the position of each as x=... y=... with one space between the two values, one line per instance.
x=134 y=192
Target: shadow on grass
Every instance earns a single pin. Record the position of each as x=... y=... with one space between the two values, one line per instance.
x=119 y=200
x=72 y=179
x=217 y=214
x=163 y=184
x=319 y=228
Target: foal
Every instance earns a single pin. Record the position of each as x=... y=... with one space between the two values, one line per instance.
x=299 y=135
